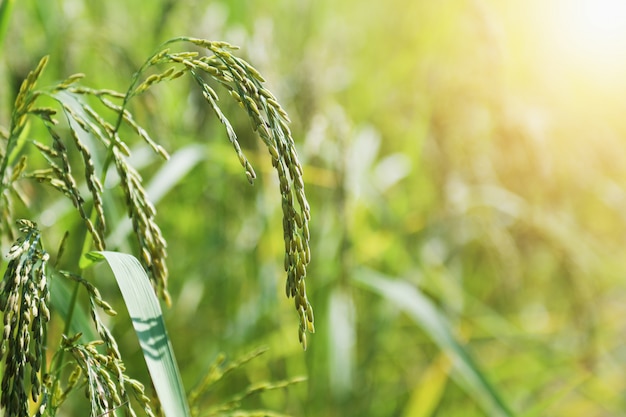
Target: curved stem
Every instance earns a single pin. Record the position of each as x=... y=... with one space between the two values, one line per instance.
x=129 y=94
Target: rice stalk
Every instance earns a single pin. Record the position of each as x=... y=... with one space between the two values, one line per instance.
x=231 y=407
x=218 y=370
x=89 y=142
x=216 y=373
x=244 y=84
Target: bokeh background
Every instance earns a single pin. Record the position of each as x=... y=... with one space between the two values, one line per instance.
x=465 y=163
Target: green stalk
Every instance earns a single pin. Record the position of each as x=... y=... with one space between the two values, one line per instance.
x=129 y=94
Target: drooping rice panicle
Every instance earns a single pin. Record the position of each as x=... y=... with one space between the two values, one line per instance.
x=24 y=301
x=270 y=121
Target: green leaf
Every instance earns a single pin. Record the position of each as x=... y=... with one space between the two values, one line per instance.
x=428 y=393
x=426 y=314
x=145 y=313
x=342 y=341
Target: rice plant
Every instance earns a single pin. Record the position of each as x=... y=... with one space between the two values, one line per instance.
x=70 y=138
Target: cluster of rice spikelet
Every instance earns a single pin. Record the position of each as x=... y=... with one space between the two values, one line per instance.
x=245 y=85
x=90 y=142
x=142 y=213
x=107 y=386
x=10 y=170
x=271 y=122
x=24 y=299
x=59 y=176
x=83 y=121
x=98 y=365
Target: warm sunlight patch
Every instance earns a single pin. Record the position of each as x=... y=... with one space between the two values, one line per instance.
x=592 y=33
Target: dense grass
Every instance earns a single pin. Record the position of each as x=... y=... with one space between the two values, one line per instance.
x=446 y=150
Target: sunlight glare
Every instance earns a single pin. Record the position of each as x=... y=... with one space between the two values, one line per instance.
x=593 y=32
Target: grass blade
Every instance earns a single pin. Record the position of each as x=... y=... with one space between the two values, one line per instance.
x=428 y=393
x=145 y=313
x=424 y=312
x=342 y=342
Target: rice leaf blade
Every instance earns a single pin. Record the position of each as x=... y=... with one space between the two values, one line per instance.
x=427 y=395
x=145 y=312
x=425 y=313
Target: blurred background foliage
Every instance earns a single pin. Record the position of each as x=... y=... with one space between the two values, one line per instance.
x=465 y=166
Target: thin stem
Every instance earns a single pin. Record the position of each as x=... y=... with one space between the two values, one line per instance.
x=129 y=94
x=135 y=79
